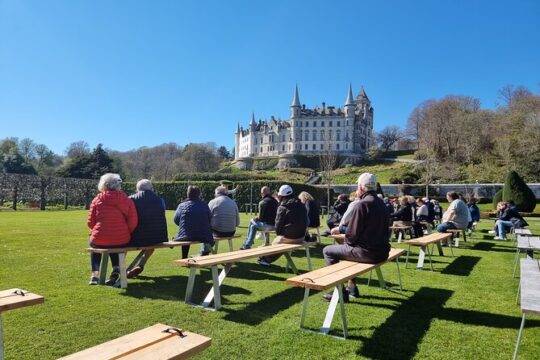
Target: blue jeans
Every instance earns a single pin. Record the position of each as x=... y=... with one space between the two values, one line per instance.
x=502 y=226
x=252 y=231
x=446 y=226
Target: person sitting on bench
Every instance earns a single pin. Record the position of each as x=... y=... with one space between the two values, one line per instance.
x=266 y=219
x=193 y=219
x=509 y=217
x=152 y=226
x=366 y=238
x=225 y=215
x=340 y=207
x=291 y=222
x=112 y=219
x=456 y=216
x=313 y=213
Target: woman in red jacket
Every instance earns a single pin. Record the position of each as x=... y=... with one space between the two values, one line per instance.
x=112 y=219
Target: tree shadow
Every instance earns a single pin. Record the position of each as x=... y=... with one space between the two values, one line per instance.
x=257 y=312
x=462 y=266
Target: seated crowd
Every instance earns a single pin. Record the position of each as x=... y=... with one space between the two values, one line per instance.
x=116 y=221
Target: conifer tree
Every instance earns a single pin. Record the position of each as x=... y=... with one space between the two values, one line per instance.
x=516 y=189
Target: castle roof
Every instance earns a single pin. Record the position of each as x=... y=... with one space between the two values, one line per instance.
x=296 y=99
x=349 y=100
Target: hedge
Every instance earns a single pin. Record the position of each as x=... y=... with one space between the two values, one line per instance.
x=220 y=176
x=174 y=192
x=515 y=189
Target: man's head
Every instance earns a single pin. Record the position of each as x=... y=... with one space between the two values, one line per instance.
x=265 y=190
x=220 y=190
x=193 y=192
x=451 y=196
x=285 y=191
x=367 y=182
x=144 y=185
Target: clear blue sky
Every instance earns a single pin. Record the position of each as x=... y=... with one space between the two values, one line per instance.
x=141 y=73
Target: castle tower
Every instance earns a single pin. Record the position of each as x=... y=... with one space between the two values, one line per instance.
x=252 y=130
x=349 y=108
x=237 y=142
x=295 y=115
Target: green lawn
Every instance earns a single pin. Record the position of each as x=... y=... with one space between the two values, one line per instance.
x=464 y=310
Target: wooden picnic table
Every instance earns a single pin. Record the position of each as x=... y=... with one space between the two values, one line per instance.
x=527 y=244
x=530 y=294
x=14 y=299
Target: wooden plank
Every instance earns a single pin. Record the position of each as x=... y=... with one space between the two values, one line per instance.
x=235 y=256
x=149 y=343
x=528 y=242
x=429 y=239
x=10 y=301
x=170 y=244
x=217 y=238
x=530 y=286
x=523 y=232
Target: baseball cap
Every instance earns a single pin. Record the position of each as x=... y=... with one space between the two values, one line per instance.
x=368 y=180
x=285 y=190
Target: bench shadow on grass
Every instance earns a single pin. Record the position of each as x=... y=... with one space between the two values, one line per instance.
x=488 y=246
x=401 y=333
x=462 y=266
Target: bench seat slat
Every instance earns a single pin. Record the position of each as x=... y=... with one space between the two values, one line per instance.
x=140 y=248
x=10 y=301
x=236 y=256
x=429 y=239
x=530 y=286
x=146 y=344
x=329 y=276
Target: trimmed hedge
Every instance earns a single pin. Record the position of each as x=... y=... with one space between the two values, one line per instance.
x=235 y=177
x=517 y=190
x=497 y=198
x=174 y=192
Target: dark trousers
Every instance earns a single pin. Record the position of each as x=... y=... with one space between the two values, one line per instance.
x=223 y=234
x=334 y=253
x=95 y=258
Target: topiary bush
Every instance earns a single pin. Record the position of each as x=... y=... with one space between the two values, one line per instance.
x=516 y=189
x=497 y=197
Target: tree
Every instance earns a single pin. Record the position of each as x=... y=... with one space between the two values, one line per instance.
x=77 y=148
x=90 y=166
x=224 y=153
x=328 y=160
x=516 y=189
x=389 y=136
x=200 y=158
x=14 y=163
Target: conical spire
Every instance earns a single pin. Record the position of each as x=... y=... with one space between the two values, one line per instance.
x=363 y=93
x=252 y=122
x=238 y=128
x=349 y=100
x=296 y=100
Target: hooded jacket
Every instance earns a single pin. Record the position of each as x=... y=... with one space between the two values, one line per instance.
x=112 y=219
x=193 y=220
x=291 y=219
x=152 y=226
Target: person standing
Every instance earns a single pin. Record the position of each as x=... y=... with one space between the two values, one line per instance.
x=152 y=226
x=266 y=219
x=291 y=222
x=225 y=215
x=366 y=237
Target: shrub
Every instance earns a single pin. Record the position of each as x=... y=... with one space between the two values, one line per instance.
x=497 y=198
x=516 y=189
x=265 y=164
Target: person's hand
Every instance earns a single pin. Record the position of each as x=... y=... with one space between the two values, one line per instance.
x=334 y=231
x=255 y=218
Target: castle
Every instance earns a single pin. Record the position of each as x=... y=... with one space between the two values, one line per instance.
x=346 y=131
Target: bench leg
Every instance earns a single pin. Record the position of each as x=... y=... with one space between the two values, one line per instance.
x=215 y=247
x=308 y=255
x=215 y=293
x=123 y=272
x=135 y=261
x=519 y=336
x=518 y=291
x=103 y=268
x=190 y=284
x=399 y=274
x=451 y=248
x=429 y=256
x=407 y=257
x=290 y=262
x=231 y=248
x=304 y=307
x=266 y=239
x=382 y=283
x=421 y=257
x=337 y=296
x=400 y=235
x=516 y=260
x=440 y=249
x=456 y=239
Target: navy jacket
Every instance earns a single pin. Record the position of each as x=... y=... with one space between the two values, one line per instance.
x=291 y=219
x=268 y=209
x=152 y=226
x=193 y=220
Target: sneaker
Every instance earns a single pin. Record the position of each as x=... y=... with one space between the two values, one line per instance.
x=113 y=278
x=328 y=297
x=204 y=253
x=134 y=272
x=499 y=238
x=263 y=262
x=243 y=247
x=93 y=280
x=354 y=292
x=491 y=232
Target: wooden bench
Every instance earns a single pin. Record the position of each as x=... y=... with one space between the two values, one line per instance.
x=122 y=281
x=157 y=342
x=519 y=231
x=334 y=276
x=400 y=231
x=528 y=244
x=227 y=260
x=530 y=294
x=456 y=235
x=424 y=242
x=14 y=299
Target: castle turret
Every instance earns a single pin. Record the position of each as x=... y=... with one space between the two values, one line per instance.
x=295 y=115
x=252 y=130
x=237 y=134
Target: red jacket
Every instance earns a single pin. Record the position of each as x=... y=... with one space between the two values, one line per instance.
x=112 y=218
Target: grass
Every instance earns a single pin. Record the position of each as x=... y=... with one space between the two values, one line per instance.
x=465 y=309
x=382 y=170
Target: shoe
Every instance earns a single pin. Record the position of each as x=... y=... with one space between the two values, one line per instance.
x=113 y=278
x=93 y=280
x=326 y=233
x=499 y=238
x=263 y=262
x=204 y=253
x=491 y=232
x=134 y=272
x=243 y=247
x=328 y=297
x=353 y=292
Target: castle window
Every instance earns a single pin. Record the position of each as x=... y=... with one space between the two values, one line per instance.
x=282 y=147
x=314 y=133
x=289 y=147
x=305 y=146
x=330 y=135
x=307 y=124
x=322 y=146
x=339 y=123
x=337 y=146
x=314 y=124
x=283 y=137
x=322 y=123
x=346 y=146
x=314 y=147
x=306 y=135
x=322 y=135
x=330 y=123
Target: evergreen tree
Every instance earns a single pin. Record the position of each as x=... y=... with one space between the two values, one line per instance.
x=14 y=163
x=90 y=166
x=497 y=198
x=516 y=189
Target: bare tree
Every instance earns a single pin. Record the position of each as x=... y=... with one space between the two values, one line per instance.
x=328 y=160
x=388 y=136
x=78 y=148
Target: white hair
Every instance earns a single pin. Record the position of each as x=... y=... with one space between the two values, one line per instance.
x=110 y=181
x=368 y=181
x=221 y=190
x=144 y=184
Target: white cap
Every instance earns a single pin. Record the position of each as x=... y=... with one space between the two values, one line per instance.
x=285 y=190
x=368 y=180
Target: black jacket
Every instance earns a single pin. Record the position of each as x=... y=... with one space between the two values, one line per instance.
x=368 y=228
x=268 y=209
x=152 y=226
x=403 y=214
x=511 y=214
x=314 y=212
x=291 y=219
x=341 y=206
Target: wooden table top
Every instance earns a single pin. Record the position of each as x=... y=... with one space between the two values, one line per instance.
x=530 y=286
x=17 y=298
